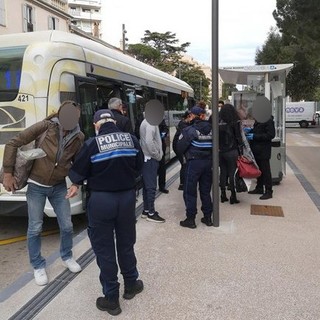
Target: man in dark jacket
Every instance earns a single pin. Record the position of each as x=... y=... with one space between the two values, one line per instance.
x=195 y=142
x=123 y=122
x=164 y=130
x=110 y=163
x=183 y=123
x=260 y=139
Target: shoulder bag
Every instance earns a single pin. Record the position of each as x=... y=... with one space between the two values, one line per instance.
x=24 y=161
x=247 y=168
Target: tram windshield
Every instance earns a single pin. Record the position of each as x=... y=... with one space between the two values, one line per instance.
x=10 y=72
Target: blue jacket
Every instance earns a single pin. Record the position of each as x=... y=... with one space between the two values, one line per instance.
x=111 y=161
x=195 y=141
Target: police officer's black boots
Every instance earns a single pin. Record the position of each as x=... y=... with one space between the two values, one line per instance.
x=233 y=198
x=223 y=196
x=188 y=223
x=207 y=220
x=112 y=307
x=131 y=291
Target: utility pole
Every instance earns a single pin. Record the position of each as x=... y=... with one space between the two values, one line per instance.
x=200 y=88
x=214 y=102
x=124 y=39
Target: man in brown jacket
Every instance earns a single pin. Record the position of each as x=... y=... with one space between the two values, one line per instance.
x=63 y=139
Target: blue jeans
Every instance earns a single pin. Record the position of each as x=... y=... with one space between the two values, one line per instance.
x=36 y=199
x=149 y=177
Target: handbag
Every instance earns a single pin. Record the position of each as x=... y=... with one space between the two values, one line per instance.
x=247 y=168
x=24 y=162
x=239 y=183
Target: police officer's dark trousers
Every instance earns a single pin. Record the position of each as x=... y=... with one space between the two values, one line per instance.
x=111 y=216
x=198 y=171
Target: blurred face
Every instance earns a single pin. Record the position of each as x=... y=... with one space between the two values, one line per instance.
x=69 y=116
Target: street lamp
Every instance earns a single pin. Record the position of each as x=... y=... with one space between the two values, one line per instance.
x=200 y=88
x=124 y=39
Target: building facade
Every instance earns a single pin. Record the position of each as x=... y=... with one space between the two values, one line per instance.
x=33 y=15
x=86 y=16
x=206 y=70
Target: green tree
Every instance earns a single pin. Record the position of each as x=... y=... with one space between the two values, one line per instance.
x=196 y=78
x=162 y=51
x=297 y=43
x=227 y=89
x=298 y=21
x=273 y=51
x=303 y=79
x=166 y=54
x=144 y=53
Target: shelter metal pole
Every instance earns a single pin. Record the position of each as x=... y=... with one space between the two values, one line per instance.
x=214 y=102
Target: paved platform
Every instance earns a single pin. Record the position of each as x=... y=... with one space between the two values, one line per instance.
x=251 y=267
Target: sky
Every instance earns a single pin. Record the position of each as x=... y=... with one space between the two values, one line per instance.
x=243 y=25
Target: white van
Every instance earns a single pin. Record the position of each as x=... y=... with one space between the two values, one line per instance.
x=303 y=113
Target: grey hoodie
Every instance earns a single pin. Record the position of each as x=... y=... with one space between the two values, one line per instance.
x=150 y=141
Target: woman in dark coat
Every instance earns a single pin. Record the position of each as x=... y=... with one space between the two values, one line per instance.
x=229 y=143
x=260 y=138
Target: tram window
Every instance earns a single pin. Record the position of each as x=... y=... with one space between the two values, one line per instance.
x=10 y=72
x=106 y=91
x=67 y=95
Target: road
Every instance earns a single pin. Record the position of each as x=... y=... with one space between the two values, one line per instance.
x=303 y=148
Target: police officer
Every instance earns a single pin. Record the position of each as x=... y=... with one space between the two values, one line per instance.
x=110 y=163
x=195 y=142
x=164 y=131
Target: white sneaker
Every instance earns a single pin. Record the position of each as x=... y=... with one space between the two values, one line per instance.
x=40 y=276
x=72 y=265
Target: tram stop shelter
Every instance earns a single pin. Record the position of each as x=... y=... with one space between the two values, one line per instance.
x=268 y=81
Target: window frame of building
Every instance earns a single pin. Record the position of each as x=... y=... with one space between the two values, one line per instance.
x=2 y=13
x=53 y=23
x=28 y=15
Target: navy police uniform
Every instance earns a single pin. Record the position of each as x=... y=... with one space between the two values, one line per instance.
x=195 y=142
x=110 y=162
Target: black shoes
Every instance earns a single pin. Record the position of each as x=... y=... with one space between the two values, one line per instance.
x=144 y=215
x=233 y=199
x=130 y=292
x=266 y=196
x=256 y=191
x=155 y=218
x=180 y=187
x=223 y=196
x=207 y=221
x=164 y=190
x=112 y=307
x=188 y=223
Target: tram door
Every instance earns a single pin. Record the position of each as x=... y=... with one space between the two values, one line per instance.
x=86 y=94
x=163 y=98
